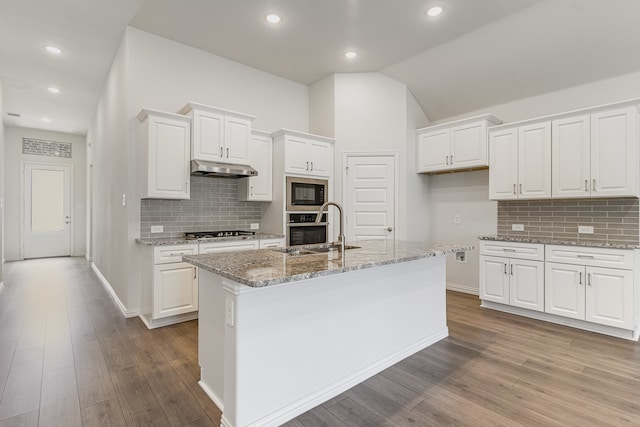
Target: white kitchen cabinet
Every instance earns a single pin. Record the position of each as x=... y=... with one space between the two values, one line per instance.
x=258 y=188
x=219 y=135
x=165 y=171
x=571 y=157
x=529 y=175
x=456 y=145
x=272 y=243
x=169 y=286
x=510 y=279
x=306 y=154
x=584 y=286
x=227 y=246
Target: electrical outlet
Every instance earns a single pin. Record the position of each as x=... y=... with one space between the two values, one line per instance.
x=517 y=227
x=255 y=225
x=461 y=257
x=229 y=312
x=157 y=228
x=124 y=199
x=585 y=229
x=456 y=218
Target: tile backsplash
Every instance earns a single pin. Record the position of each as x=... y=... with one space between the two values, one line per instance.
x=614 y=220
x=213 y=206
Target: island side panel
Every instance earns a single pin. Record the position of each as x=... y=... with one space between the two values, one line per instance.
x=296 y=345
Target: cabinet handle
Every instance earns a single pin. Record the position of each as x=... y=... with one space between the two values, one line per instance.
x=514 y=189
x=593 y=188
x=508 y=250
x=221 y=152
x=227 y=153
x=505 y=268
x=451 y=159
x=589 y=279
x=520 y=188
x=580 y=278
x=446 y=160
x=251 y=190
x=195 y=273
x=311 y=165
x=307 y=165
x=511 y=267
x=586 y=185
x=585 y=256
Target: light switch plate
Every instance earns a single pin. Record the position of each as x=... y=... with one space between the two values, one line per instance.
x=585 y=229
x=517 y=227
x=230 y=312
x=456 y=219
x=157 y=228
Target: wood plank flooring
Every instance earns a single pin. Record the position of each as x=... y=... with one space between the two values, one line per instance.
x=69 y=358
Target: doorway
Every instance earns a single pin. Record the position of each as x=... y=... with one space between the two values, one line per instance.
x=46 y=210
x=370 y=196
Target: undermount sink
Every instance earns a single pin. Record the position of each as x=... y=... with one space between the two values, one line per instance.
x=311 y=250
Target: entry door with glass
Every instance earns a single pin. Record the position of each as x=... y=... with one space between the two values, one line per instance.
x=47 y=214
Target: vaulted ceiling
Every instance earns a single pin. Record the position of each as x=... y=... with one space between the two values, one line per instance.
x=477 y=53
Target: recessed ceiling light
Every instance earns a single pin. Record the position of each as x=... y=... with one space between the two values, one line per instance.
x=272 y=18
x=46 y=119
x=434 y=11
x=53 y=49
x=53 y=90
x=350 y=54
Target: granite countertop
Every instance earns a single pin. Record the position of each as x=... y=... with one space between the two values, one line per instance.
x=586 y=243
x=266 y=267
x=165 y=241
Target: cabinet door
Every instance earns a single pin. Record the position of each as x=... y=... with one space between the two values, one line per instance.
x=168 y=158
x=564 y=291
x=503 y=164
x=237 y=134
x=259 y=188
x=433 y=151
x=295 y=156
x=534 y=161
x=494 y=279
x=526 y=284
x=614 y=155
x=319 y=156
x=208 y=136
x=175 y=289
x=469 y=146
x=571 y=157
x=609 y=298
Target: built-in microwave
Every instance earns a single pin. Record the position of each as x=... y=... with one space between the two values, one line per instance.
x=306 y=194
x=302 y=229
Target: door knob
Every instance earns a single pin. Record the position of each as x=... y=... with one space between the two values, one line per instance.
x=389 y=228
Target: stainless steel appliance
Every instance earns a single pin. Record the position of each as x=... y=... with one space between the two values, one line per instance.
x=306 y=194
x=302 y=229
x=193 y=235
x=224 y=170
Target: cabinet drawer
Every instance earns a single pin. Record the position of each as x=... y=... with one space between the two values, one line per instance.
x=594 y=257
x=271 y=243
x=233 y=245
x=530 y=251
x=174 y=253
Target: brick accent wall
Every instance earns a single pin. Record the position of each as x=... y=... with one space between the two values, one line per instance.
x=41 y=147
x=213 y=206
x=614 y=220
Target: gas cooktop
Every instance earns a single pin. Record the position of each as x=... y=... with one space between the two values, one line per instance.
x=220 y=233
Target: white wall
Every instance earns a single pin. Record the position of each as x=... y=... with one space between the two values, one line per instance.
x=13 y=157
x=467 y=193
x=153 y=72
x=2 y=173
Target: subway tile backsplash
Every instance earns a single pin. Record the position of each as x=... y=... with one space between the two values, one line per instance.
x=213 y=206
x=614 y=220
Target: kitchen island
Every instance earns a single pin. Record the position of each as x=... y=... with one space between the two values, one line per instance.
x=283 y=331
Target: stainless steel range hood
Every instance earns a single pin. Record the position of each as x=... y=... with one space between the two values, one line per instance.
x=204 y=168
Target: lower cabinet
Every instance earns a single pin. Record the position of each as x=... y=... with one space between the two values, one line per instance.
x=175 y=289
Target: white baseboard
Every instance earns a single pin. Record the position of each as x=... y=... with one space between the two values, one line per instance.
x=125 y=312
x=166 y=321
x=462 y=288
x=300 y=406
x=212 y=396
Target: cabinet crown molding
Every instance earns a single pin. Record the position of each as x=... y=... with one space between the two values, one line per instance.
x=146 y=112
x=488 y=117
x=197 y=106
x=290 y=132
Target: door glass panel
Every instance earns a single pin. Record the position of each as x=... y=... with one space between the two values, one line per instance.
x=47 y=200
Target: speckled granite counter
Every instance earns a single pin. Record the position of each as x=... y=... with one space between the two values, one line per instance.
x=259 y=268
x=164 y=241
x=586 y=243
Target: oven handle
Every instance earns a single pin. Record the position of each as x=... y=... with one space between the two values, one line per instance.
x=306 y=224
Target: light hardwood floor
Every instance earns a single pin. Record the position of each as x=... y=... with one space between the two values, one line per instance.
x=69 y=358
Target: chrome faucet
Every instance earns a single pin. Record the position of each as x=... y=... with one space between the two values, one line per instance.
x=319 y=218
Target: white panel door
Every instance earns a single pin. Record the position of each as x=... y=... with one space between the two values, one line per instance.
x=609 y=299
x=571 y=157
x=175 y=289
x=207 y=140
x=564 y=290
x=47 y=210
x=295 y=156
x=526 y=284
x=237 y=133
x=319 y=156
x=469 y=145
x=259 y=188
x=614 y=155
x=370 y=193
x=534 y=161
x=433 y=151
x=503 y=164
x=494 y=279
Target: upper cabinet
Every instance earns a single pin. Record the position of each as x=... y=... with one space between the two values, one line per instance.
x=520 y=162
x=165 y=154
x=306 y=154
x=258 y=188
x=218 y=135
x=456 y=145
x=588 y=153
